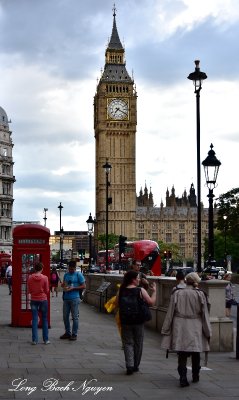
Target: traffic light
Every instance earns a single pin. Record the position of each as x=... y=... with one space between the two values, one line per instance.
x=122 y=244
x=81 y=254
x=167 y=255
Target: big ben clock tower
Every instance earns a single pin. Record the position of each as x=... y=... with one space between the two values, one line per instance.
x=115 y=123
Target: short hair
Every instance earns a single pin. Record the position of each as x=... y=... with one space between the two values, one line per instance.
x=38 y=267
x=136 y=262
x=72 y=264
x=180 y=275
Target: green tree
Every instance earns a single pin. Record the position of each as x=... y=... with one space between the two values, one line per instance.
x=174 y=248
x=231 y=248
x=226 y=237
x=112 y=241
x=228 y=205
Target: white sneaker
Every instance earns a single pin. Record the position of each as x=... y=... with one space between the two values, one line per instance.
x=47 y=342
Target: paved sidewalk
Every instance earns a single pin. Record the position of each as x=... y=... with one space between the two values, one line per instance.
x=96 y=360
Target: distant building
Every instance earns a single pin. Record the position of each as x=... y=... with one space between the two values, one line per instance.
x=175 y=223
x=7 y=180
x=75 y=243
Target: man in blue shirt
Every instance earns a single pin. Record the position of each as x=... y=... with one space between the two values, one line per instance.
x=72 y=282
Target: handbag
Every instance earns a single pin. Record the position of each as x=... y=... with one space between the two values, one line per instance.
x=233 y=302
x=144 y=308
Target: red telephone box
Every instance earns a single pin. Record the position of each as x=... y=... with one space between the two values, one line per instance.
x=30 y=246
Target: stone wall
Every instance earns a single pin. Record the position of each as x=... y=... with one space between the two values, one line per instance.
x=222 y=327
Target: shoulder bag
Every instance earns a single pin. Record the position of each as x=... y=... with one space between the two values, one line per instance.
x=144 y=308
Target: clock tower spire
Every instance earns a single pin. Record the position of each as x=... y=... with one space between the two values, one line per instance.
x=115 y=123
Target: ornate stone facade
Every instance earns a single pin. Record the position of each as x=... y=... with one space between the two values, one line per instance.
x=176 y=223
x=115 y=129
x=6 y=184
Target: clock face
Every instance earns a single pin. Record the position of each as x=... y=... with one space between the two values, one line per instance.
x=118 y=109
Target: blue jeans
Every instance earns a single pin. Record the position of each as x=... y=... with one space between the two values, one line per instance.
x=71 y=307
x=9 y=282
x=42 y=307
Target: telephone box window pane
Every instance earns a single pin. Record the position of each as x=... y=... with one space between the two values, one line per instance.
x=28 y=263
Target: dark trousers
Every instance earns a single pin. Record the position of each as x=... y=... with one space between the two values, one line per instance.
x=182 y=363
x=132 y=339
x=9 y=282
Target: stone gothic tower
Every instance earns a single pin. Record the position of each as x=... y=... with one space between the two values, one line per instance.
x=6 y=184
x=115 y=120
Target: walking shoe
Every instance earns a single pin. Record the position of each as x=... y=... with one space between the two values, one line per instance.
x=195 y=378
x=65 y=336
x=129 y=371
x=136 y=369
x=184 y=382
x=34 y=343
x=73 y=337
x=47 y=342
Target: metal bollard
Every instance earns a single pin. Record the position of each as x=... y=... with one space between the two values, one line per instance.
x=237 y=338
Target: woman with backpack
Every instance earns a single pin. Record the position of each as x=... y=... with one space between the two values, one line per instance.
x=129 y=299
x=54 y=281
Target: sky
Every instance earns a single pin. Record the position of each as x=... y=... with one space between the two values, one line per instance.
x=51 y=55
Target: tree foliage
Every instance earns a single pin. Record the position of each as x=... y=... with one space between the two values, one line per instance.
x=228 y=206
x=174 y=248
x=112 y=241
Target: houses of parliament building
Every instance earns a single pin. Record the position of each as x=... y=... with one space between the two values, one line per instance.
x=136 y=217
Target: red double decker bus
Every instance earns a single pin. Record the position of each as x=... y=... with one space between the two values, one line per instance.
x=101 y=258
x=5 y=259
x=146 y=251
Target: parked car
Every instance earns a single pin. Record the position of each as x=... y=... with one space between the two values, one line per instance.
x=221 y=272
x=210 y=272
x=172 y=271
x=94 y=269
x=61 y=266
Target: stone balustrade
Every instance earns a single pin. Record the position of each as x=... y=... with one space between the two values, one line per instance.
x=222 y=327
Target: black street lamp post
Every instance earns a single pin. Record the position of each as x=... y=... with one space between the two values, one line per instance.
x=211 y=167
x=90 y=222
x=197 y=77
x=225 y=240
x=61 y=237
x=45 y=218
x=62 y=241
x=107 y=167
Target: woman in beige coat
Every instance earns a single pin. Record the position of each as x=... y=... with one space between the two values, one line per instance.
x=186 y=328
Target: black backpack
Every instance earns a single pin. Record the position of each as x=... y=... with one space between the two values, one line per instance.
x=129 y=306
